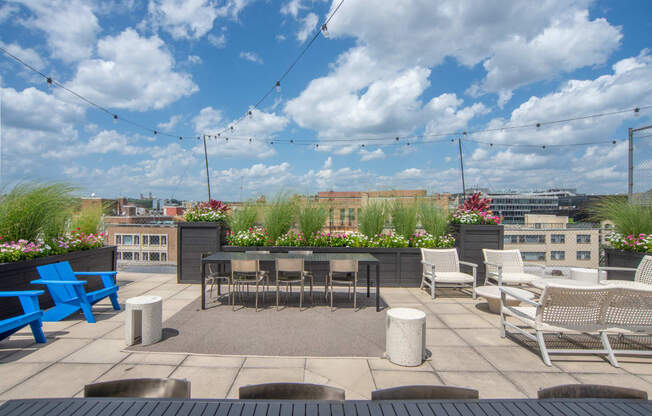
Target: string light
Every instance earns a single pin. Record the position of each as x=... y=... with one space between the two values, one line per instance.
x=324 y=30
x=250 y=140
x=155 y=132
x=543 y=147
x=637 y=112
x=538 y=126
x=49 y=81
x=397 y=139
x=291 y=141
x=115 y=118
x=278 y=86
x=180 y=138
x=250 y=113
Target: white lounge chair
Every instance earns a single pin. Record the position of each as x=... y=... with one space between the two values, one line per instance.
x=441 y=268
x=643 y=273
x=506 y=267
x=629 y=313
x=561 y=309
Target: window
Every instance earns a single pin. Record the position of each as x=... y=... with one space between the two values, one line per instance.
x=164 y=240
x=557 y=238
x=154 y=240
x=128 y=240
x=145 y=240
x=145 y=256
x=557 y=255
x=342 y=215
x=351 y=215
x=533 y=255
x=118 y=239
x=359 y=210
x=127 y=255
x=583 y=255
x=511 y=239
x=136 y=256
x=532 y=239
x=331 y=216
x=583 y=238
x=164 y=257
x=154 y=256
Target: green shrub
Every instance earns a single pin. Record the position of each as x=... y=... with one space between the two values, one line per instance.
x=372 y=218
x=628 y=219
x=88 y=220
x=32 y=211
x=312 y=218
x=404 y=218
x=279 y=216
x=433 y=218
x=243 y=218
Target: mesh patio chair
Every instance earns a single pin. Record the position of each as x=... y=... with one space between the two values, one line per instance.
x=246 y=272
x=425 y=393
x=290 y=391
x=590 y=391
x=214 y=277
x=506 y=267
x=344 y=272
x=310 y=275
x=288 y=272
x=441 y=268
x=643 y=273
x=140 y=387
x=629 y=314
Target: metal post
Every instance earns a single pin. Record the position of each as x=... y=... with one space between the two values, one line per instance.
x=462 y=168
x=630 y=165
x=208 y=179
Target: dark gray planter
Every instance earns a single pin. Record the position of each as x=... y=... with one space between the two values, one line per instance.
x=471 y=239
x=17 y=275
x=194 y=239
x=399 y=267
x=622 y=258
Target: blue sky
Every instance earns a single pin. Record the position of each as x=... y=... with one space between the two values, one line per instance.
x=406 y=68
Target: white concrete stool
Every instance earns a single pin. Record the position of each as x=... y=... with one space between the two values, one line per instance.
x=144 y=319
x=405 y=331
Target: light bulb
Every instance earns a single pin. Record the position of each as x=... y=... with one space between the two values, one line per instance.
x=115 y=118
x=278 y=86
x=324 y=30
x=49 y=80
x=250 y=113
x=637 y=112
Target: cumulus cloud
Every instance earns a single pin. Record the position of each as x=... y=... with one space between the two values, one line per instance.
x=66 y=41
x=28 y=55
x=219 y=41
x=371 y=155
x=251 y=56
x=170 y=124
x=328 y=163
x=308 y=24
x=136 y=73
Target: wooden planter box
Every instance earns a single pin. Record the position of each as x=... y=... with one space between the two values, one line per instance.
x=399 y=267
x=17 y=275
x=194 y=239
x=470 y=239
x=622 y=258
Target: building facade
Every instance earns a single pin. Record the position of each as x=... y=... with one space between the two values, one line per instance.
x=142 y=244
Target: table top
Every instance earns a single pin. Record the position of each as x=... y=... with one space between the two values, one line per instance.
x=314 y=257
x=202 y=407
x=490 y=291
x=542 y=283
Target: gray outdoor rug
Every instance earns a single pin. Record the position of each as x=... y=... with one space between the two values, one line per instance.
x=315 y=331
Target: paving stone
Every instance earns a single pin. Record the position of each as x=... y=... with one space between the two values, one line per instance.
x=458 y=359
x=89 y=331
x=58 y=380
x=515 y=359
x=352 y=373
x=532 y=382
x=446 y=308
x=387 y=379
x=154 y=358
x=50 y=352
x=248 y=376
x=274 y=362
x=213 y=361
x=484 y=337
x=584 y=364
x=312 y=378
x=464 y=320
x=636 y=364
x=15 y=373
x=489 y=385
x=99 y=351
x=433 y=321
x=207 y=383
x=118 y=333
x=384 y=364
x=125 y=371
x=443 y=337
x=623 y=380
x=13 y=344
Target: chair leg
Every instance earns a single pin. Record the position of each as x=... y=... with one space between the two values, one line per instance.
x=88 y=313
x=256 y=295
x=278 y=289
x=474 y=295
x=37 y=331
x=542 y=347
x=301 y=296
x=502 y=323
x=355 y=294
x=610 y=352
x=331 y=281
x=114 y=301
x=432 y=287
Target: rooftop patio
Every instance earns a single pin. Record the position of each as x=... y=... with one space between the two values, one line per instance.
x=462 y=337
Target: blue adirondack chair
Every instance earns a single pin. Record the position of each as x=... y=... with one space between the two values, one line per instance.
x=69 y=294
x=32 y=316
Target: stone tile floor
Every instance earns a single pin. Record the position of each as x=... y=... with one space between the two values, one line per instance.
x=462 y=336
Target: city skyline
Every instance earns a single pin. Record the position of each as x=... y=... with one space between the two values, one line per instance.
x=411 y=72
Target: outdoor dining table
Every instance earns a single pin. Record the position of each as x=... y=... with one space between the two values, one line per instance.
x=207 y=407
x=225 y=257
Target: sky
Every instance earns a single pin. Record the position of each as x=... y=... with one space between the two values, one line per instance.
x=419 y=70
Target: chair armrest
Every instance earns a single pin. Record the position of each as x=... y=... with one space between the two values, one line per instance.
x=468 y=263
x=488 y=263
x=507 y=291
x=426 y=263
x=94 y=273
x=21 y=293
x=58 y=282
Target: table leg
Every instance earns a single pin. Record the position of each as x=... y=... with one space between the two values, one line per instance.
x=220 y=269
x=368 y=280
x=203 y=285
x=377 y=287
